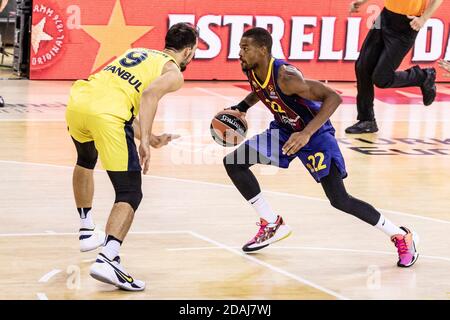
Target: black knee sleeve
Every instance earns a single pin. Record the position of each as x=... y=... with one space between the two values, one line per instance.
x=87 y=163
x=341 y=203
x=86 y=154
x=232 y=167
x=238 y=163
x=339 y=198
x=241 y=176
x=128 y=187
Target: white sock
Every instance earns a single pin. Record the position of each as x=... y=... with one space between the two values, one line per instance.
x=263 y=208
x=86 y=221
x=111 y=247
x=388 y=227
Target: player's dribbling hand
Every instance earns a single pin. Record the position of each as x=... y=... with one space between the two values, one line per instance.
x=416 y=22
x=355 y=5
x=162 y=140
x=296 y=141
x=144 y=156
x=445 y=65
x=243 y=114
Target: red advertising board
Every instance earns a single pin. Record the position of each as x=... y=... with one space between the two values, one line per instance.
x=73 y=38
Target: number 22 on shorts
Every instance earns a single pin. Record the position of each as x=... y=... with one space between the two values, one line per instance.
x=316 y=162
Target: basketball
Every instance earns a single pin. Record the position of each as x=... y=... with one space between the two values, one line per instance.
x=228 y=128
x=288 y=124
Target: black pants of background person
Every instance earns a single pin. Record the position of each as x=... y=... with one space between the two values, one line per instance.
x=382 y=52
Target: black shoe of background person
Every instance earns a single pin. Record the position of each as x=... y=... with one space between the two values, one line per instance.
x=363 y=127
x=428 y=87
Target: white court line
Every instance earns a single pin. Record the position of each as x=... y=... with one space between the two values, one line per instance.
x=269 y=266
x=53 y=233
x=285 y=194
x=313 y=249
x=199 y=248
x=49 y=275
x=38 y=234
x=212 y=93
x=230 y=186
x=160 y=232
x=41 y=296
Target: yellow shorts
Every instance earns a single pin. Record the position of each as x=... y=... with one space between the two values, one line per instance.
x=113 y=138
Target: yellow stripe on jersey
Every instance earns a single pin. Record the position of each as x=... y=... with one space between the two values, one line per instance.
x=118 y=88
x=406 y=7
x=269 y=74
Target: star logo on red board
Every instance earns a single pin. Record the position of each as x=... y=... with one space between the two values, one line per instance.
x=115 y=38
x=47 y=35
x=38 y=34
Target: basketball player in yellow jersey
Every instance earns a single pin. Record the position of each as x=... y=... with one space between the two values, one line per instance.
x=101 y=117
x=389 y=40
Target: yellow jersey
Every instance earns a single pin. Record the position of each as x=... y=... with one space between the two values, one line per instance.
x=117 y=89
x=406 y=7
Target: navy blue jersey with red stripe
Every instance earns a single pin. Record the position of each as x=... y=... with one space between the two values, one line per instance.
x=291 y=112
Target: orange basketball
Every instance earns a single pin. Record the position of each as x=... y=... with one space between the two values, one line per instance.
x=228 y=128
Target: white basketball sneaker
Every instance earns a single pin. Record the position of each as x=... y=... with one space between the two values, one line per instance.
x=112 y=272
x=268 y=233
x=91 y=239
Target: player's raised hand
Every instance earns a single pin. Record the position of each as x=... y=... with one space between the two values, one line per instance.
x=144 y=156
x=162 y=140
x=445 y=65
x=416 y=22
x=296 y=141
x=356 y=5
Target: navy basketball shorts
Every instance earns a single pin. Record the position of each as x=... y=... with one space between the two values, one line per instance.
x=317 y=156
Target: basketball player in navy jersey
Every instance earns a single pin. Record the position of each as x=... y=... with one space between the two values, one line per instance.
x=301 y=129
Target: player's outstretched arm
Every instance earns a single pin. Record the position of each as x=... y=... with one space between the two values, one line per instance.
x=250 y=100
x=291 y=82
x=156 y=141
x=170 y=80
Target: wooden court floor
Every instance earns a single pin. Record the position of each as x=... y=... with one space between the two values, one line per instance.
x=186 y=238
